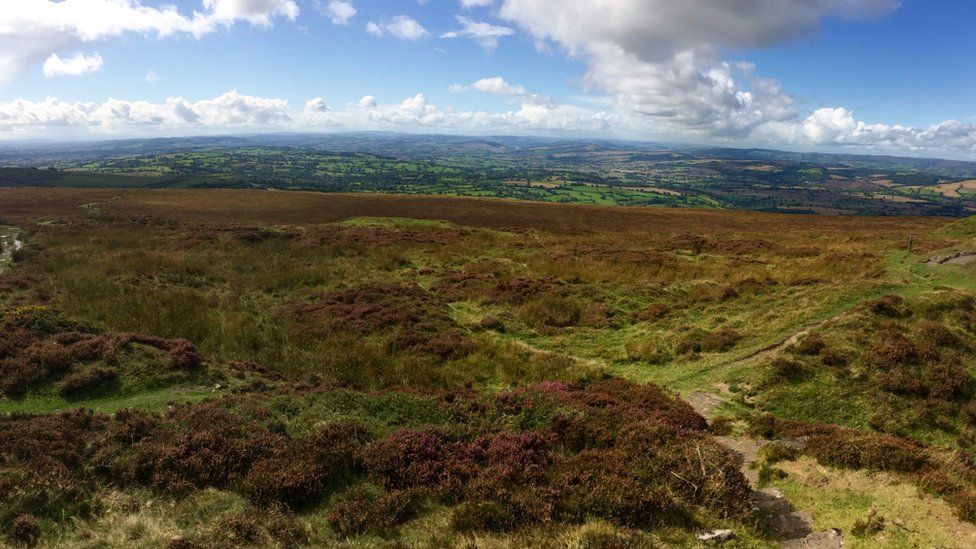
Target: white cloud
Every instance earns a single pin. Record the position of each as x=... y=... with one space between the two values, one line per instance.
x=475 y=3
x=340 y=11
x=662 y=59
x=495 y=85
x=837 y=126
x=32 y=30
x=232 y=110
x=228 y=110
x=151 y=77
x=76 y=65
x=374 y=29
x=485 y=34
x=316 y=106
x=401 y=26
x=256 y=12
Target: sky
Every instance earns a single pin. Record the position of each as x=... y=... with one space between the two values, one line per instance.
x=866 y=76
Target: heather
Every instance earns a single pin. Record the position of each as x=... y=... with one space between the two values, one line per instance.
x=230 y=368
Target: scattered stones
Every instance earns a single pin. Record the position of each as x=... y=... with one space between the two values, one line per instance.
x=955 y=258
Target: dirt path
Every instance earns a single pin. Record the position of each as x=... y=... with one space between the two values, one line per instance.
x=792 y=339
x=792 y=528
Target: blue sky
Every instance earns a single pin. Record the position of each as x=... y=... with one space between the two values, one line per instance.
x=860 y=75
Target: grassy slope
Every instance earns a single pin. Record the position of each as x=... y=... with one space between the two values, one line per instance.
x=183 y=264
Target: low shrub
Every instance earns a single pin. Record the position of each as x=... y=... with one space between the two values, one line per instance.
x=25 y=530
x=892 y=306
x=86 y=380
x=700 y=341
x=833 y=357
x=787 y=369
x=654 y=311
x=184 y=355
x=900 y=381
x=810 y=345
x=349 y=514
x=890 y=348
x=949 y=381
x=240 y=530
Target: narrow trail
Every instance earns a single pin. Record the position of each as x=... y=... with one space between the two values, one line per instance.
x=791 y=339
x=791 y=527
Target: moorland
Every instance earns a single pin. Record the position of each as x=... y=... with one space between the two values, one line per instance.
x=224 y=367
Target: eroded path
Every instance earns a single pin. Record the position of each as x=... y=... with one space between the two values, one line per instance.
x=791 y=527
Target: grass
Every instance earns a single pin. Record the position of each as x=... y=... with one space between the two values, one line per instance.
x=839 y=498
x=371 y=306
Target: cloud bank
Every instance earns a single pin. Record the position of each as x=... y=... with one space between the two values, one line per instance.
x=33 y=30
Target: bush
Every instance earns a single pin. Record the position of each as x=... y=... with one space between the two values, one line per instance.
x=184 y=355
x=307 y=469
x=700 y=341
x=407 y=459
x=599 y=483
x=900 y=381
x=86 y=380
x=891 y=348
x=890 y=306
x=25 y=530
x=787 y=369
x=847 y=448
x=812 y=344
x=832 y=357
x=949 y=382
x=362 y=509
x=349 y=515
x=239 y=530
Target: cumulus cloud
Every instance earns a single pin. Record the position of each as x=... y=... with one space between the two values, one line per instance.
x=401 y=26
x=485 y=34
x=340 y=11
x=838 y=126
x=76 y=65
x=228 y=110
x=495 y=85
x=234 y=110
x=32 y=30
x=662 y=59
x=151 y=77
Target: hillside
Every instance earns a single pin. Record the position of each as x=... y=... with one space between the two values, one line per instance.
x=230 y=367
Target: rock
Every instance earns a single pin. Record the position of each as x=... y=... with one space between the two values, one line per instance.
x=716 y=535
